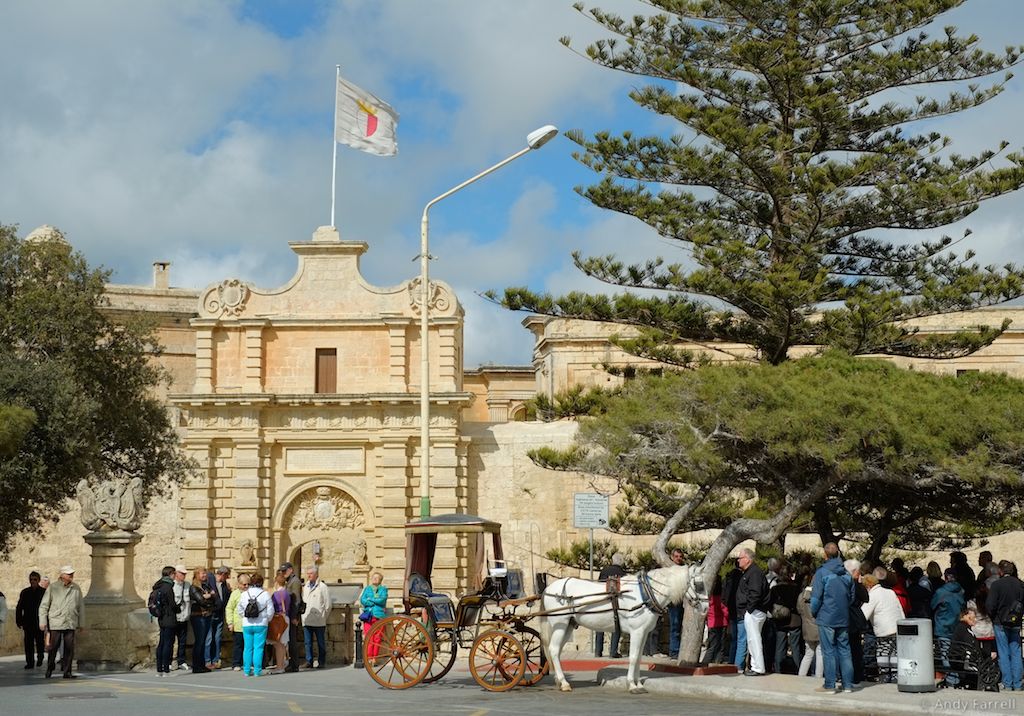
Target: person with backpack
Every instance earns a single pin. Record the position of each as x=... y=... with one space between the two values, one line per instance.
x=1005 y=604
x=161 y=607
x=256 y=608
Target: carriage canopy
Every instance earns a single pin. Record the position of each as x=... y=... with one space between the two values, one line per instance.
x=421 y=544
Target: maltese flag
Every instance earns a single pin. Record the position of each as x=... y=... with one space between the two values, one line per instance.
x=364 y=122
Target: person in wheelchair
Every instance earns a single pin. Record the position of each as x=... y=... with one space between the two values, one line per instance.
x=967 y=655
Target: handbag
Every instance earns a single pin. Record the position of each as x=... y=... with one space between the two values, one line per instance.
x=366 y=615
x=277 y=627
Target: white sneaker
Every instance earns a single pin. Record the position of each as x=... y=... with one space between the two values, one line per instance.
x=184 y=667
x=236 y=668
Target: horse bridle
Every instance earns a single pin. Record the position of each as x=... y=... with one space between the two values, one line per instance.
x=696 y=591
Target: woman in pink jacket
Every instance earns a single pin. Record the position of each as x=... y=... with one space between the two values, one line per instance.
x=718 y=623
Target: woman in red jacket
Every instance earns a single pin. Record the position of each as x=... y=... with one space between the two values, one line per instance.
x=718 y=622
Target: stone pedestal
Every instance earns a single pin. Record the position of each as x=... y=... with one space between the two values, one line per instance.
x=118 y=627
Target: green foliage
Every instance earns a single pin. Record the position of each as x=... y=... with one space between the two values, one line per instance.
x=15 y=422
x=878 y=436
x=577 y=555
x=803 y=140
x=89 y=383
x=571 y=403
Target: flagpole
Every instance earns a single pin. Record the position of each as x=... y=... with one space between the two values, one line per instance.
x=334 y=138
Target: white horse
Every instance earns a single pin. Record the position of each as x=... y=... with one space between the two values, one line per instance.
x=570 y=602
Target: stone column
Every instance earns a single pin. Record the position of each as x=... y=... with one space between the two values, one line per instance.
x=117 y=625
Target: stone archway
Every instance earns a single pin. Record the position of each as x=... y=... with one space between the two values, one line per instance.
x=324 y=525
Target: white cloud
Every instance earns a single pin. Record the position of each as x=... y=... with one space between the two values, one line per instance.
x=179 y=131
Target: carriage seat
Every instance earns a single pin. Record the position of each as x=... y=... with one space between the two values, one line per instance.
x=422 y=596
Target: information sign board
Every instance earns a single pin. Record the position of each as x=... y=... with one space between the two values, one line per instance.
x=590 y=510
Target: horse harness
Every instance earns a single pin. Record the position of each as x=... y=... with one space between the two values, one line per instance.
x=612 y=594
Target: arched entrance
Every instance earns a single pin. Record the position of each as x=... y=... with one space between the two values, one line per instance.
x=324 y=525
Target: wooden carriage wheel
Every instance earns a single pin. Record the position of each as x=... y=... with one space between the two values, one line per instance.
x=497 y=660
x=404 y=655
x=536 y=660
x=445 y=649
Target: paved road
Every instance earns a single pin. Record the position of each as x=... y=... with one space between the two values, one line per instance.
x=341 y=690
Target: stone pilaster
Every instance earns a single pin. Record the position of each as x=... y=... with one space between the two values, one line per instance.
x=204 y=355
x=251 y=518
x=398 y=368
x=252 y=367
x=393 y=499
x=196 y=508
x=447 y=352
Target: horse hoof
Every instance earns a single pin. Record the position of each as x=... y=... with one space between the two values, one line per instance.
x=565 y=687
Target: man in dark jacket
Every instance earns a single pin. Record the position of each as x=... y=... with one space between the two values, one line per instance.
x=214 y=638
x=751 y=605
x=294 y=586
x=613 y=571
x=26 y=616
x=167 y=620
x=832 y=593
x=1005 y=603
x=964 y=575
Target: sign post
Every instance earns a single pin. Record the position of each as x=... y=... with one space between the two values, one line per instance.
x=590 y=510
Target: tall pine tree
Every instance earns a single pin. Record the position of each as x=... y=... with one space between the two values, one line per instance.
x=794 y=160
x=805 y=140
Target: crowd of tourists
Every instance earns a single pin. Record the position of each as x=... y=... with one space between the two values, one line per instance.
x=260 y=620
x=838 y=621
x=790 y=617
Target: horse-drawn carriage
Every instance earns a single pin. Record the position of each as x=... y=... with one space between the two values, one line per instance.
x=421 y=645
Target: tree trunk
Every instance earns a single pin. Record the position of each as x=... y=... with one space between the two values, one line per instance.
x=738 y=531
x=823 y=524
x=878 y=542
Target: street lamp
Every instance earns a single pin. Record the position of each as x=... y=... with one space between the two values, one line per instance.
x=534 y=140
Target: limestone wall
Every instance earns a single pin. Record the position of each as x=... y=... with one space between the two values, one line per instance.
x=63 y=543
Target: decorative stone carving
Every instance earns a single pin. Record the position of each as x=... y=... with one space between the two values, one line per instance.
x=229 y=297
x=437 y=298
x=247 y=553
x=112 y=505
x=326 y=508
x=359 y=552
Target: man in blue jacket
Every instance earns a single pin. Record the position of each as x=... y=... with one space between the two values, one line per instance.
x=832 y=593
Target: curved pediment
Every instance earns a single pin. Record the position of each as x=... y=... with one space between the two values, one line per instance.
x=327 y=285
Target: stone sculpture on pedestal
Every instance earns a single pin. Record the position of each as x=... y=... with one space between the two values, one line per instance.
x=118 y=626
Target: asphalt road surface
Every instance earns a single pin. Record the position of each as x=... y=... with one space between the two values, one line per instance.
x=341 y=690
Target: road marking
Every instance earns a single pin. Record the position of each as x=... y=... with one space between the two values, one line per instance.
x=161 y=690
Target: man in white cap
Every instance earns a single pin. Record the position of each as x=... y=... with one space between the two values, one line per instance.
x=63 y=609
x=183 y=607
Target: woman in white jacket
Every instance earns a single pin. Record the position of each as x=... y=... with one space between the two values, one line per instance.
x=883 y=610
x=254 y=627
x=317 y=601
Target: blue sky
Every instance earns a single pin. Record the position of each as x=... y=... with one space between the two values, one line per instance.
x=199 y=132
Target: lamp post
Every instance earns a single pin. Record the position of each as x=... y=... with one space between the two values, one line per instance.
x=534 y=140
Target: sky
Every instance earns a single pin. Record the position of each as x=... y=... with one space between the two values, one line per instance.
x=200 y=132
